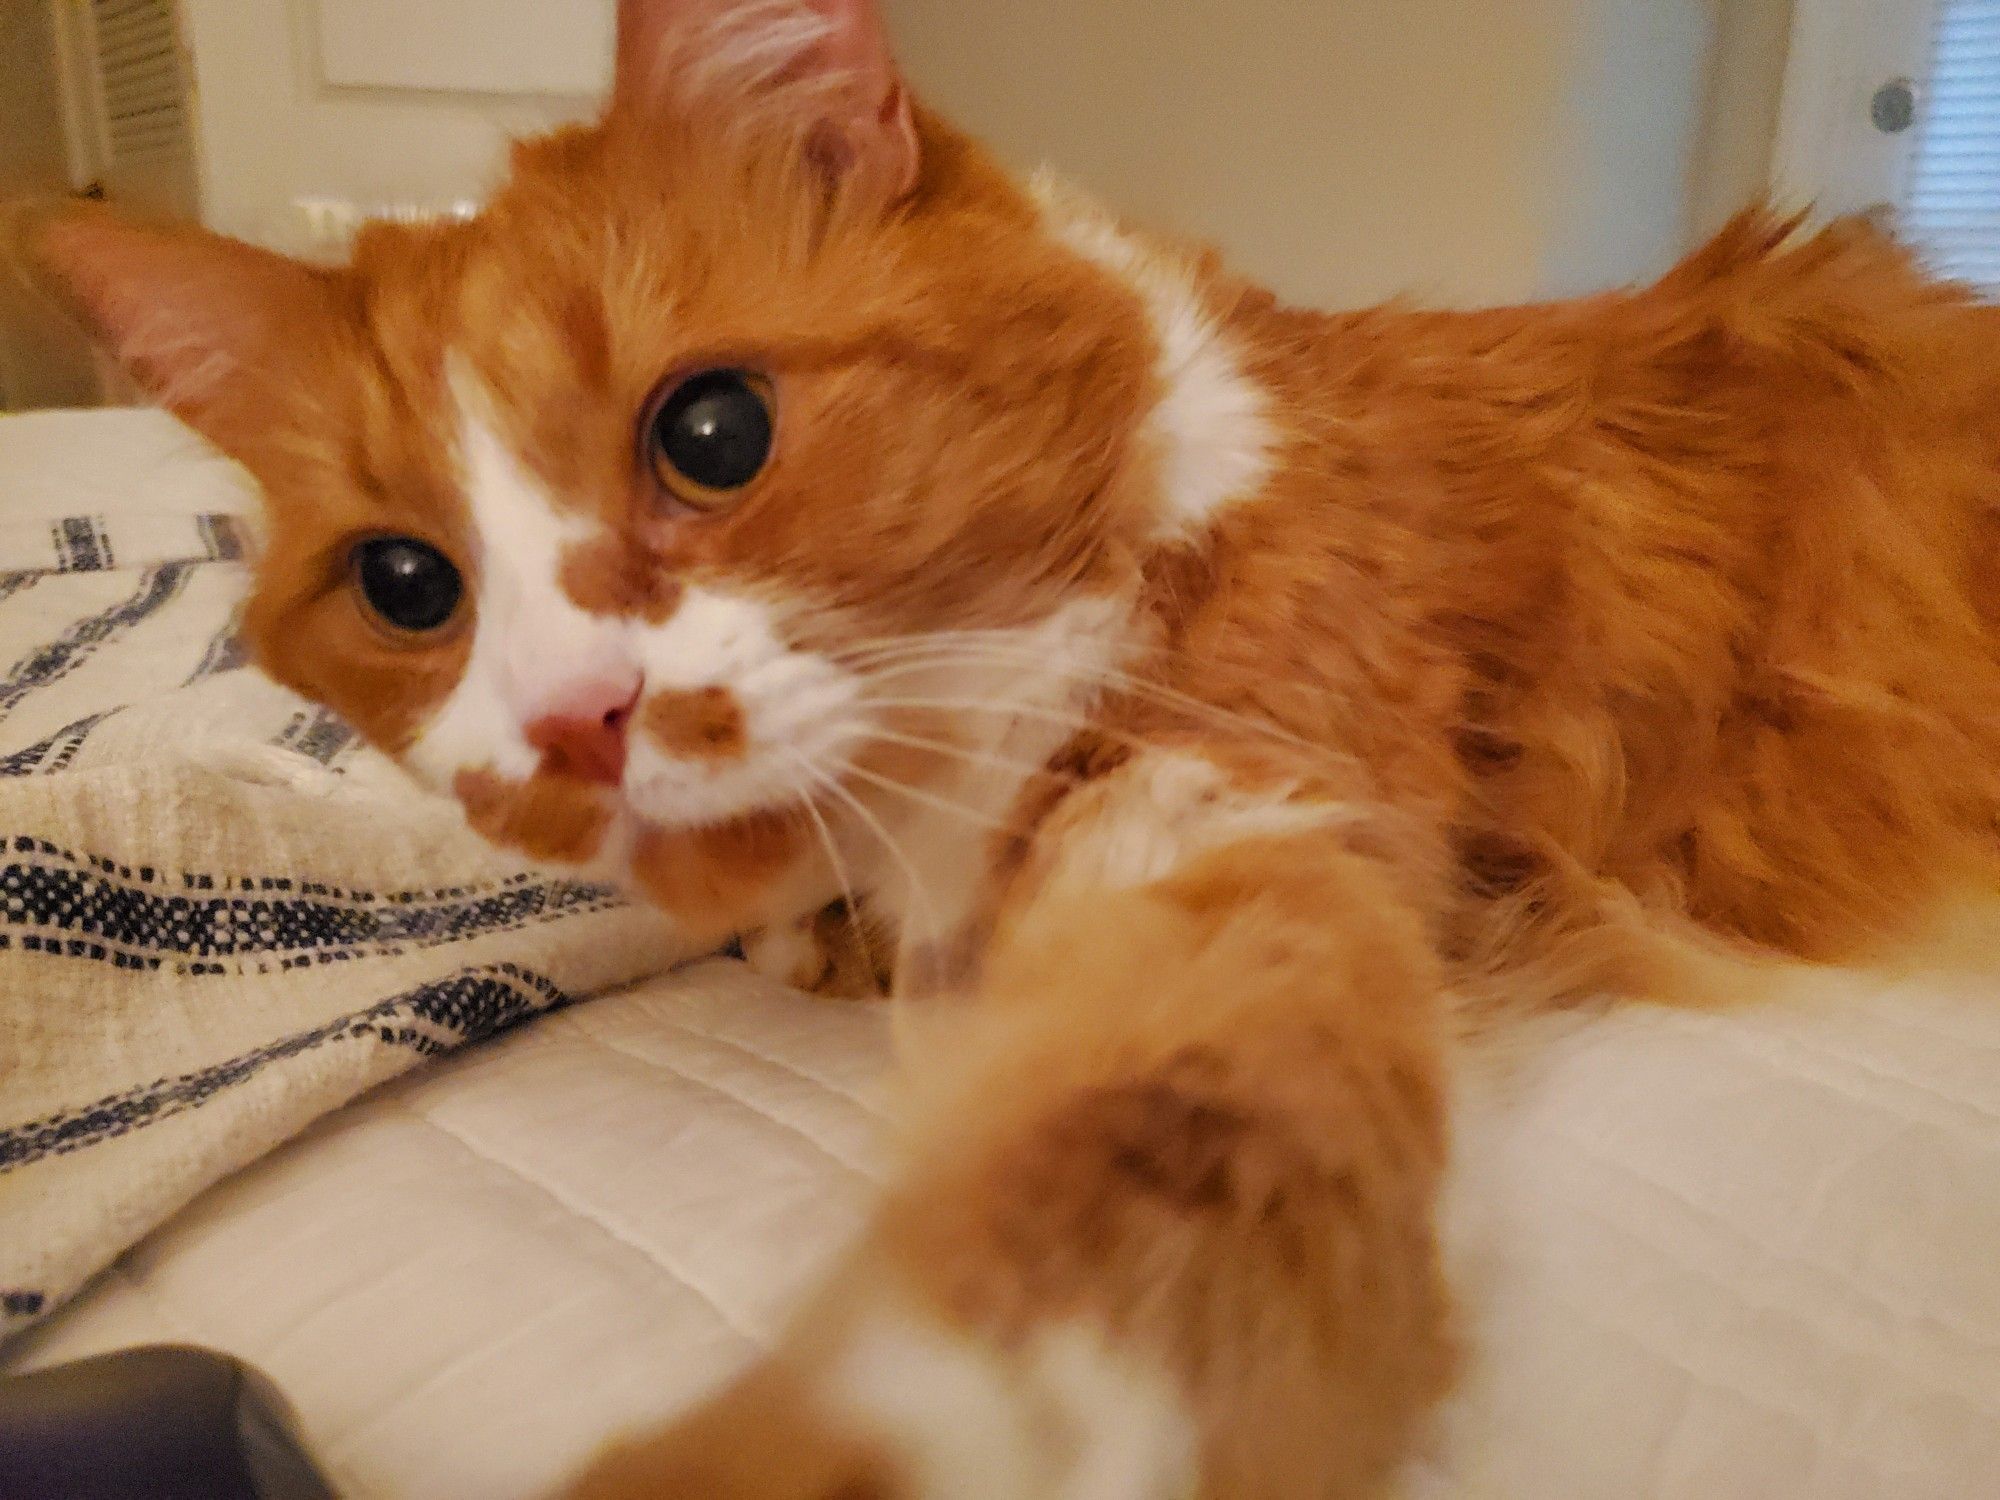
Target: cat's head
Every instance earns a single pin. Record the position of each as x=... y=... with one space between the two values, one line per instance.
x=637 y=511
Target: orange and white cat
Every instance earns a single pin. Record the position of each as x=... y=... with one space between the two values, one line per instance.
x=768 y=498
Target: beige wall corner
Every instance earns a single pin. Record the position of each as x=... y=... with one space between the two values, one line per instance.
x=1740 y=113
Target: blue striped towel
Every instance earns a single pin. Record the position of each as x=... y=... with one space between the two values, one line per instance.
x=220 y=915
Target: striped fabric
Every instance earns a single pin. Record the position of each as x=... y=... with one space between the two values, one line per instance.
x=220 y=915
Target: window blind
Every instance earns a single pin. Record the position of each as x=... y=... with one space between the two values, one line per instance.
x=1951 y=202
x=139 y=79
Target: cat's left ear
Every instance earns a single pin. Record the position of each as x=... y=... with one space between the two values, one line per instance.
x=215 y=330
x=828 y=63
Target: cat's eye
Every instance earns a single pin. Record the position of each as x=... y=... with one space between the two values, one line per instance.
x=410 y=584
x=710 y=436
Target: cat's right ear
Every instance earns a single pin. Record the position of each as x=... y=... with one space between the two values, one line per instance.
x=823 y=68
x=213 y=329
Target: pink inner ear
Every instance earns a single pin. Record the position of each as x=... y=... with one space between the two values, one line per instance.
x=858 y=44
x=165 y=315
x=865 y=130
x=882 y=132
x=190 y=314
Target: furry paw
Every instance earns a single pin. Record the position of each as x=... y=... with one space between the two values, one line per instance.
x=836 y=952
x=900 y=1407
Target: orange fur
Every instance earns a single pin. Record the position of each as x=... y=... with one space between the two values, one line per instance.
x=608 y=577
x=551 y=818
x=707 y=877
x=1548 y=628
x=703 y=725
x=1683 y=595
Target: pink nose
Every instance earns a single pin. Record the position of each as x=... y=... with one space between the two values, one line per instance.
x=585 y=738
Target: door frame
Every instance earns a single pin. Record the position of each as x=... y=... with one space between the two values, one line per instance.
x=92 y=160
x=1829 y=155
x=70 y=24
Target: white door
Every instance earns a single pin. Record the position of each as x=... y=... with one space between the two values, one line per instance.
x=137 y=103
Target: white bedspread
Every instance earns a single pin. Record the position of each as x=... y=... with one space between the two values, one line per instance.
x=1749 y=1255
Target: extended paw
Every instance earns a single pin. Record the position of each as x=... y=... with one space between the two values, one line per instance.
x=901 y=1407
x=764 y=1438
x=837 y=952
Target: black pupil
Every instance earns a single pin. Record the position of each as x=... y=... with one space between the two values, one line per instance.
x=715 y=430
x=409 y=583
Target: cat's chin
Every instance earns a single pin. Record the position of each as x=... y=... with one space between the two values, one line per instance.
x=714 y=867
x=719 y=878
x=676 y=796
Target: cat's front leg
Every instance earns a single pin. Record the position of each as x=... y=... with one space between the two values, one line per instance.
x=1167 y=1226
x=841 y=952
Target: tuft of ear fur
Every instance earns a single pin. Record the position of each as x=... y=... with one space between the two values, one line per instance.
x=819 y=71
x=205 y=324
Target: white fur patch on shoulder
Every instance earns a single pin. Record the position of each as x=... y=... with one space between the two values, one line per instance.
x=945 y=1407
x=1071 y=1420
x=1137 y=1440
x=1148 y=819
x=1213 y=424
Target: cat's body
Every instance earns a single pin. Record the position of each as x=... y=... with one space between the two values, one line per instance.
x=768 y=499
x=1670 y=574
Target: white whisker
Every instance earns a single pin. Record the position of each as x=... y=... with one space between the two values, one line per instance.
x=876 y=826
x=928 y=799
x=839 y=866
x=1068 y=718
x=965 y=753
x=973 y=648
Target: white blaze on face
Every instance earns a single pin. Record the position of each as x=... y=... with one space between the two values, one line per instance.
x=922 y=852
x=529 y=638
x=533 y=646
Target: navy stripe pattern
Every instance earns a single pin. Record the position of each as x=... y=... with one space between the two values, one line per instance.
x=99 y=544
x=54 y=753
x=85 y=544
x=225 y=653
x=318 y=735
x=442 y=1016
x=92 y=909
x=81 y=545
x=222 y=536
x=68 y=651
x=137 y=659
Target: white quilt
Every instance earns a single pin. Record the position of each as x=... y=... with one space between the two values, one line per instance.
x=1745 y=1255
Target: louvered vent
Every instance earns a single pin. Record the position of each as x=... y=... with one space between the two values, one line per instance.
x=140 y=82
x=1952 y=202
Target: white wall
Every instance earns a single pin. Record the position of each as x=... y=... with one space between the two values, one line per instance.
x=271 y=131
x=1623 y=167
x=1344 y=151
x=1739 y=127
